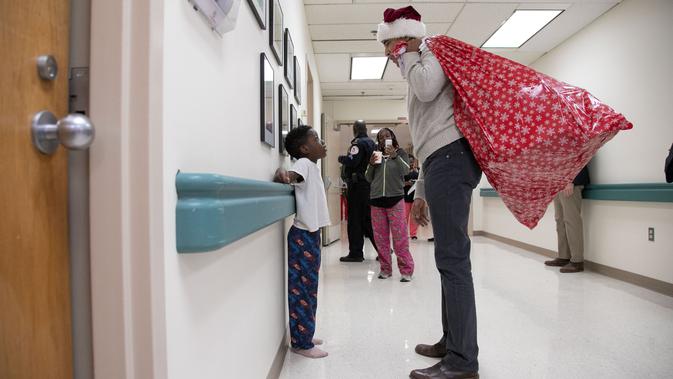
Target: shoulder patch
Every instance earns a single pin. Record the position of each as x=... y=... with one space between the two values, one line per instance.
x=354 y=150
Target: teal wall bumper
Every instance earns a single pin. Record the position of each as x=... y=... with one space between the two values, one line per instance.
x=648 y=192
x=214 y=210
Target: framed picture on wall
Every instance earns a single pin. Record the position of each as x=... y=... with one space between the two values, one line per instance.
x=276 y=30
x=297 y=81
x=288 y=58
x=293 y=117
x=266 y=101
x=283 y=117
x=259 y=9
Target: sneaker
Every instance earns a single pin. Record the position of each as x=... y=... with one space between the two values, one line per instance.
x=414 y=237
x=384 y=275
x=405 y=278
x=313 y=352
x=431 y=239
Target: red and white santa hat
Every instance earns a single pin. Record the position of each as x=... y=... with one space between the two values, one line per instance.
x=403 y=22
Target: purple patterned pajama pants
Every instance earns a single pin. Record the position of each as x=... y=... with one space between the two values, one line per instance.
x=387 y=221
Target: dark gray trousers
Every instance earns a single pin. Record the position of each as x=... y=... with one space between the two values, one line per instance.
x=451 y=173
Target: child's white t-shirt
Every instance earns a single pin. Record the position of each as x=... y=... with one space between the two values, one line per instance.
x=312 y=213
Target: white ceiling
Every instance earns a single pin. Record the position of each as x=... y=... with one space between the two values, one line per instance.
x=343 y=28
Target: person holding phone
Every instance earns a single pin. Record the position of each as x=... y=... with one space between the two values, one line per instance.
x=385 y=172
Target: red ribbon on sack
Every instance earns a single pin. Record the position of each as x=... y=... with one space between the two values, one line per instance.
x=530 y=133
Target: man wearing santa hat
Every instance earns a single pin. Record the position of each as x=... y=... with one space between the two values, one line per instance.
x=448 y=176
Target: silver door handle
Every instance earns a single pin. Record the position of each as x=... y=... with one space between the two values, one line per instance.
x=75 y=132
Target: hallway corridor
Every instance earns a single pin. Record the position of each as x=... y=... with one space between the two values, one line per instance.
x=533 y=321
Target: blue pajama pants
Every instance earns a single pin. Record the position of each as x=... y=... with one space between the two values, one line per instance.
x=302 y=284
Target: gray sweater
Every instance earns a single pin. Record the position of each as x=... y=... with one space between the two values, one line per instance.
x=387 y=178
x=430 y=103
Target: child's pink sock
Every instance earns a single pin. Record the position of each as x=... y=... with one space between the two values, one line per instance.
x=313 y=352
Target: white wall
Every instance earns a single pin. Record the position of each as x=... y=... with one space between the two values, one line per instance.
x=623 y=58
x=225 y=310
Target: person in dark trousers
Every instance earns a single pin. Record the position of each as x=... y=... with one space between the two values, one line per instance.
x=449 y=173
x=668 y=167
x=569 y=226
x=359 y=218
x=409 y=181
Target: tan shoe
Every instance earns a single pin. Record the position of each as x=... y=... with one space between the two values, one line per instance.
x=558 y=262
x=437 y=350
x=573 y=267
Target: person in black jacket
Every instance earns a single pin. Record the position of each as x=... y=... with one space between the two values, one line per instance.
x=359 y=218
x=569 y=227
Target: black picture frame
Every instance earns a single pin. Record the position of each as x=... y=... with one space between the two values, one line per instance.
x=259 y=9
x=288 y=58
x=266 y=100
x=293 y=117
x=276 y=28
x=283 y=117
x=297 y=81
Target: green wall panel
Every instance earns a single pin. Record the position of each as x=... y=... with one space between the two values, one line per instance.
x=214 y=210
x=649 y=192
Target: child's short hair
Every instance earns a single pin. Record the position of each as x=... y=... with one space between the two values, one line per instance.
x=295 y=139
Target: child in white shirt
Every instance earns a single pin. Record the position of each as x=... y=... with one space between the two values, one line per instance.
x=303 y=239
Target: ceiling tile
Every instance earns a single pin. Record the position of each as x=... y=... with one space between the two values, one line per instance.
x=373 y=13
x=344 y=47
x=342 y=32
x=321 y=32
x=333 y=67
x=477 y=22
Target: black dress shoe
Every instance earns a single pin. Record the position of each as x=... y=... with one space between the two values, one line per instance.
x=439 y=372
x=573 y=267
x=557 y=262
x=437 y=350
x=431 y=239
x=349 y=258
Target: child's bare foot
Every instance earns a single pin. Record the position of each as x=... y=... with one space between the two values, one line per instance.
x=313 y=352
x=317 y=341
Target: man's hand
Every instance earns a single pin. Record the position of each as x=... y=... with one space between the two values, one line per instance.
x=568 y=191
x=414 y=45
x=419 y=211
x=281 y=176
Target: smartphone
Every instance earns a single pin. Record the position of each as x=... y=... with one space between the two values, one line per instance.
x=389 y=142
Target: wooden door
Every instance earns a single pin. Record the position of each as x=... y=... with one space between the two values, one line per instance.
x=35 y=326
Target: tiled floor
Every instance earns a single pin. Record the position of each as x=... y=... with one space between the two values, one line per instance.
x=533 y=321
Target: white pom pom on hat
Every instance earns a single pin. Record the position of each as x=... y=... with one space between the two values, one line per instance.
x=397 y=23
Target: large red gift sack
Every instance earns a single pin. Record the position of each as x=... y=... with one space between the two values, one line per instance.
x=530 y=133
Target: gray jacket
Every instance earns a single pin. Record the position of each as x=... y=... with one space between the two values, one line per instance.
x=387 y=178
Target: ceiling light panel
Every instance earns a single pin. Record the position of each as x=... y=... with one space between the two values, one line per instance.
x=364 y=68
x=520 y=27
